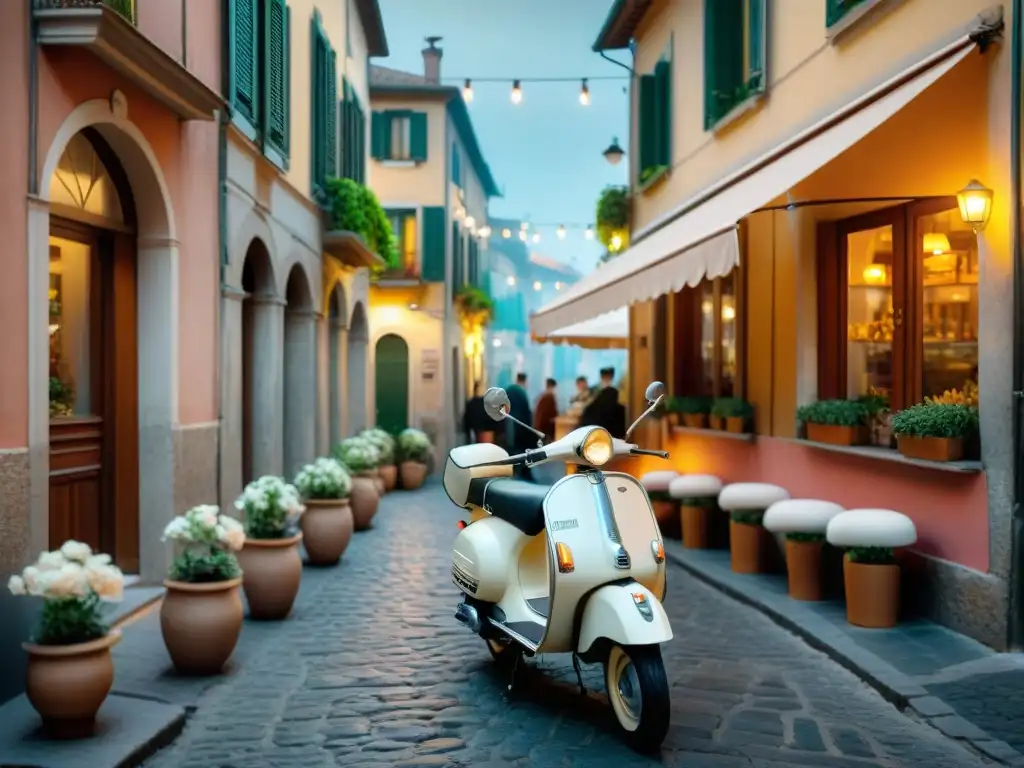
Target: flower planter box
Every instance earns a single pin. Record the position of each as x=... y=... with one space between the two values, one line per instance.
x=931 y=448
x=736 y=425
x=834 y=435
x=872 y=594
x=716 y=422
x=695 y=420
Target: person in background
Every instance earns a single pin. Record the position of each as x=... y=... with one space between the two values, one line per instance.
x=582 y=391
x=478 y=426
x=547 y=410
x=605 y=410
x=519 y=408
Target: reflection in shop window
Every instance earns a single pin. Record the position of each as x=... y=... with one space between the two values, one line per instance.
x=719 y=335
x=707 y=335
x=870 y=321
x=70 y=336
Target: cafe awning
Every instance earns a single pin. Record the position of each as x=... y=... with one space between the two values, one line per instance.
x=699 y=239
x=608 y=331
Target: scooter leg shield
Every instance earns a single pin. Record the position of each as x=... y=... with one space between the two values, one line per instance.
x=627 y=614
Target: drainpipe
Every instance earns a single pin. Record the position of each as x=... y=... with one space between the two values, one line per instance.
x=33 y=103
x=223 y=119
x=1016 y=628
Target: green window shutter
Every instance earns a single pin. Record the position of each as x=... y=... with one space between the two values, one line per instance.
x=757 y=46
x=474 y=263
x=835 y=10
x=317 y=116
x=648 y=136
x=432 y=260
x=723 y=58
x=244 y=52
x=418 y=137
x=331 y=109
x=456 y=259
x=277 y=47
x=663 y=113
x=359 y=140
x=456 y=166
x=380 y=136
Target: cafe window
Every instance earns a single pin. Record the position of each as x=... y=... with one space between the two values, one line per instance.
x=403 y=225
x=706 y=344
x=898 y=303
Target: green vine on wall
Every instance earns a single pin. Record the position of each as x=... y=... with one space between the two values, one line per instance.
x=475 y=304
x=355 y=208
x=613 y=219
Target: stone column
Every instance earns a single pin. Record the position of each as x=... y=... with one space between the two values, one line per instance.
x=299 y=389
x=324 y=392
x=267 y=418
x=336 y=377
x=231 y=393
x=355 y=377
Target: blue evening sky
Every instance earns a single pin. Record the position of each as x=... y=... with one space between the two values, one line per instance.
x=544 y=153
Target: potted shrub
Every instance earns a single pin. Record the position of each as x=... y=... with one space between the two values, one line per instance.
x=734 y=413
x=70 y=670
x=414 y=451
x=876 y=403
x=694 y=411
x=836 y=422
x=201 y=613
x=803 y=522
x=871 y=574
x=271 y=566
x=361 y=458
x=697 y=495
x=934 y=432
x=746 y=504
x=656 y=484
x=385 y=445
x=327 y=522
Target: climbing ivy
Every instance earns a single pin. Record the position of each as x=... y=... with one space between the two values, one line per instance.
x=354 y=208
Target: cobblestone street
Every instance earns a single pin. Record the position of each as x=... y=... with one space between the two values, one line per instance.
x=372 y=670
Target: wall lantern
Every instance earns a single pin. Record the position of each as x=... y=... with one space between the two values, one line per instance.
x=975 y=201
x=614 y=153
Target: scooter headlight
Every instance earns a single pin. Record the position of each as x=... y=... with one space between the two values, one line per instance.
x=596 y=447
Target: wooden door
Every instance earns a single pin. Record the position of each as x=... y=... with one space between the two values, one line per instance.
x=391 y=392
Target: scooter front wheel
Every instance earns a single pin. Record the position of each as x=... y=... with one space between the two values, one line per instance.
x=638 y=691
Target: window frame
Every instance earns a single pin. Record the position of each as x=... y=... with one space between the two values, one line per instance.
x=654 y=122
x=750 y=82
x=323 y=107
x=401 y=120
x=400 y=215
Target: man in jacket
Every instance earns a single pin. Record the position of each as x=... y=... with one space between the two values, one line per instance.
x=519 y=408
x=605 y=410
x=547 y=410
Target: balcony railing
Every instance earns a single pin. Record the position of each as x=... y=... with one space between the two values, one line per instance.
x=125 y=8
x=401 y=273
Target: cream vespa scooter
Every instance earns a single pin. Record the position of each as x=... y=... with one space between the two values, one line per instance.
x=576 y=567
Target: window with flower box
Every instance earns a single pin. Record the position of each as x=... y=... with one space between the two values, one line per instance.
x=735 y=55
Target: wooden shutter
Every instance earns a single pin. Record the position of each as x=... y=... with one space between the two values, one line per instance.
x=245 y=46
x=330 y=97
x=663 y=113
x=648 y=135
x=723 y=57
x=380 y=139
x=277 y=47
x=433 y=245
x=359 y=118
x=757 y=46
x=316 y=111
x=456 y=166
x=835 y=10
x=418 y=136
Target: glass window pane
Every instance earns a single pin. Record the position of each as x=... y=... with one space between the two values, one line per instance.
x=869 y=358
x=80 y=181
x=728 y=318
x=70 y=336
x=707 y=336
x=948 y=251
x=409 y=250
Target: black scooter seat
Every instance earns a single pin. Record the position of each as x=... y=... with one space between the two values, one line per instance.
x=517 y=502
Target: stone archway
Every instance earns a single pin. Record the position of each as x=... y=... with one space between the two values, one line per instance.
x=358 y=339
x=299 y=373
x=260 y=358
x=337 y=338
x=157 y=314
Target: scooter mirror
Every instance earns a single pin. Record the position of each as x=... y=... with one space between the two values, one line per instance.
x=654 y=391
x=496 y=403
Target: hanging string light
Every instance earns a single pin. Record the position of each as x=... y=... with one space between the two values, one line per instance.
x=522 y=235
x=470 y=222
x=485 y=231
x=584 y=93
x=506 y=233
x=517 y=85
x=536 y=285
x=517 y=92
x=511 y=280
x=561 y=231
x=536 y=237
x=467 y=90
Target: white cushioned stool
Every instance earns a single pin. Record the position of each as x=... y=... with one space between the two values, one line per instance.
x=697 y=496
x=801 y=524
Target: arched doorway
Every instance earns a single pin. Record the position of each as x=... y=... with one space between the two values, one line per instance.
x=391 y=392
x=336 y=338
x=358 y=338
x=259 y=319
x=299 y=373
x=93 y=352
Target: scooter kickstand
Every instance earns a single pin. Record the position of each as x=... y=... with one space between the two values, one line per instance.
x=515 y=668
x=579 y=673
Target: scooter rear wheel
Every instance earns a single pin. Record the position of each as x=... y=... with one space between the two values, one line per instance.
x=634 y=676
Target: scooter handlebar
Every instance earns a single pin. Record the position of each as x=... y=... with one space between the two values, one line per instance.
x=644 y=452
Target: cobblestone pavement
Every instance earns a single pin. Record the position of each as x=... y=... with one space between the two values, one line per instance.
x=372 y=670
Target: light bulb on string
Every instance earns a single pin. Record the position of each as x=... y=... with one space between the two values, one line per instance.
x=522 y=235
x=517 y=92
x=585 y=93
x=616 y=242
x=470 y=222
x=506 y=233
x=536 y=237
x=467 y=90
x=511 y=280
x=588 y=233
x=485 y=231
x=561 y=231
x=536 y=285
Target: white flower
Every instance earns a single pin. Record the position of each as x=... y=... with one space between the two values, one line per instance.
x=31 y=577
x=231 y=533
x=51 y=561
x=76 y=551
x=177 y=530
x=107 y=581
x=16 y=585
x=69 y=581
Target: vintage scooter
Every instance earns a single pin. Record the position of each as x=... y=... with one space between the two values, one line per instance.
x=575 y=567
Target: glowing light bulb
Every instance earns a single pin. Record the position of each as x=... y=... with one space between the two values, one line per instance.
x=511 y=280
x=536 y=285
x=561 y=232
x=522 y=235
x=728 y=313
x=517 y=92
x=485 y=231
x=470 y=222
x=467 y=90
x=497 y=342
x=585 y=94
x=589 y=233
x=558 y=286
x=616 y=242
x=506 y=233
x=536 y=237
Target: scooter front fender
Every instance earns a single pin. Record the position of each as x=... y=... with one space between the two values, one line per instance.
x=626 y=613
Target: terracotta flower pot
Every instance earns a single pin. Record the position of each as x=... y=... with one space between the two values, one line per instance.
x=716 y=423
x=695 y=526
x=803 y=564
x=736 y=424
x=271 y=574
x=931 y=448
x=695 y=420
x=378 y=482
x=364 y=500
x=389 y=473
x=67 y=684
x=872 y=594
x=200 y=624
x=834 y=435
x=326 y=529
x=413 y=474
x=746 y=548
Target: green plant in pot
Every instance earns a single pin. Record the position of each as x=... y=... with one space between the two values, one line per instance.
x=414 y=452
x=327 y=523
x=836 y=422
x=934 y=432
x=876 y=401
x=362 y=458
x=731 y=413
x=385 y=444
x=694 y=411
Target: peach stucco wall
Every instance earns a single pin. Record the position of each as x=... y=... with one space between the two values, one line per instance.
x=943 y=505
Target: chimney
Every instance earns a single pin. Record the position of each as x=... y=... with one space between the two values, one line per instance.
x=432 y=61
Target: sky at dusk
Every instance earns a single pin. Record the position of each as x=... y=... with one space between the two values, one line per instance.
x=544 y=153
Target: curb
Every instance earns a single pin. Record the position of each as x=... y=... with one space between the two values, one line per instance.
x=892 y=684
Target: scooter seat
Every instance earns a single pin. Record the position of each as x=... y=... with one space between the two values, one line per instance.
x=517 y=502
